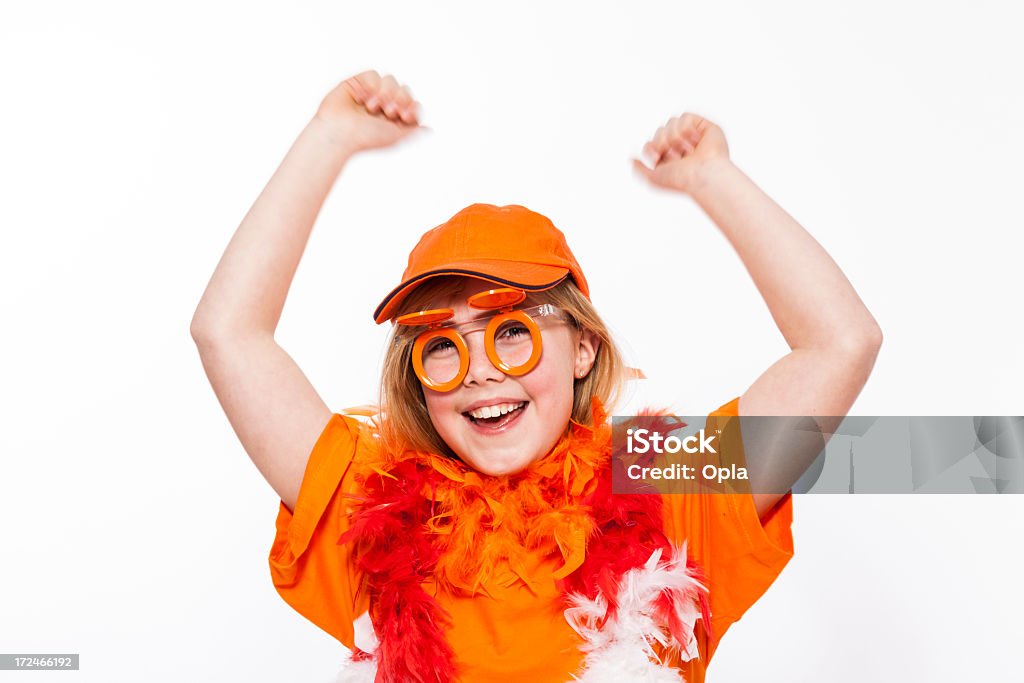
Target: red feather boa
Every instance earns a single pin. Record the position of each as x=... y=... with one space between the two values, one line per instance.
x=421 y=513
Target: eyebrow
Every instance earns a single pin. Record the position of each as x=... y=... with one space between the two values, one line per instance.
x=454 y=322
x=528 y=302
x=478 y=316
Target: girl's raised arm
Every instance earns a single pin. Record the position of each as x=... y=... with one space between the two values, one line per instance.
x=273 y=408
x=833 y=337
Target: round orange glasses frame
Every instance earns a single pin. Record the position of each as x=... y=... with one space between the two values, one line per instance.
x=512 y=338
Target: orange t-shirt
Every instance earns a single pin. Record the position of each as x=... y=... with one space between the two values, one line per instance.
x=517 y=634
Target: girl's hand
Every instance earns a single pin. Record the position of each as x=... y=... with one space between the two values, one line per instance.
x=369 y=111
x=682 y=150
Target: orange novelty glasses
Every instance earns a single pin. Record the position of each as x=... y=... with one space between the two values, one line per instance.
x=512 y=338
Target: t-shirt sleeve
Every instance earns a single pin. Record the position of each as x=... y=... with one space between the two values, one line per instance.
x=309 y=570
x=740 y=554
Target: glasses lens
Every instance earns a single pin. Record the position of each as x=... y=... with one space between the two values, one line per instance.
x=513 y=342
x=440 y=360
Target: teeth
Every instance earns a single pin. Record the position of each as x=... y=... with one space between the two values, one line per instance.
x=496 y=410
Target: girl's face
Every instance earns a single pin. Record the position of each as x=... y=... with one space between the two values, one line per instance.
x=540 y=401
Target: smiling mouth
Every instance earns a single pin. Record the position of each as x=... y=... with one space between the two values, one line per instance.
x=495 y=421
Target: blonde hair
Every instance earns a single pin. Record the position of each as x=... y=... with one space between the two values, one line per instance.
x=405 y=422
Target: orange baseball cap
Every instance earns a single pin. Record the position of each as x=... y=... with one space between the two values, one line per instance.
x=508 y=245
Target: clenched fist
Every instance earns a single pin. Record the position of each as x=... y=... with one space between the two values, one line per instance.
x=681 y=151
x=369 y=110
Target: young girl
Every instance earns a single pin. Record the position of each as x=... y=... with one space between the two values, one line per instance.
x=469 y=526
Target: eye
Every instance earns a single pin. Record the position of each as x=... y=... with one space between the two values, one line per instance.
x=513 y=331
x=439 y=346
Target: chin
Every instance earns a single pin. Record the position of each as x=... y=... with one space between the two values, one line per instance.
x=498 y=467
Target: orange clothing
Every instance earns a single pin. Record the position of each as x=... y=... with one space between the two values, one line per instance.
x=515 y=634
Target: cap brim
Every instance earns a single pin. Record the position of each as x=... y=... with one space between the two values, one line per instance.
x=531 y=277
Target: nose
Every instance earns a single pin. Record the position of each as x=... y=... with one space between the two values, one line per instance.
x=480 y=367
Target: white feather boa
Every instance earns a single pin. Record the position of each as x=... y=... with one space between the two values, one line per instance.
x=620 y=648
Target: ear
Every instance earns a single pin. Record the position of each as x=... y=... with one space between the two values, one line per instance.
x=586 y=352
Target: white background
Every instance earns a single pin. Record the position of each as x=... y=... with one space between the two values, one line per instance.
x=135 y=137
